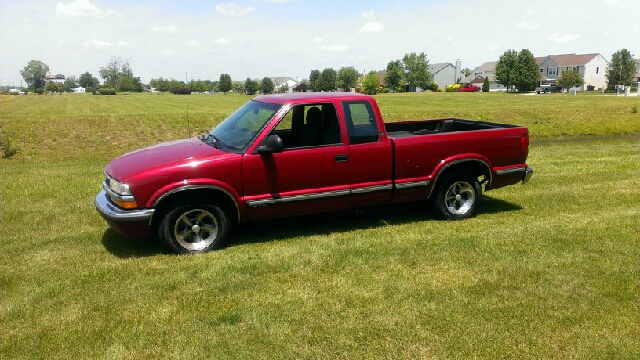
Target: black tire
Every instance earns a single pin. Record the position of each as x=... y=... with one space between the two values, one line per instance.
x=457 y=197
x=194 y=228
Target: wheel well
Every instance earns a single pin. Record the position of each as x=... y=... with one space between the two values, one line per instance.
x=211 y=196
x=474 y=168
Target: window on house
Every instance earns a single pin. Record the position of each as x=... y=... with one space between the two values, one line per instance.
x=597 y=69
x=541 y=70
x=552 y=71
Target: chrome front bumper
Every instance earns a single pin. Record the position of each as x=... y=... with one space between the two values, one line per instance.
x=110 y=212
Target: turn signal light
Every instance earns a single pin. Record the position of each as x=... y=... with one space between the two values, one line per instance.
x=126 y=204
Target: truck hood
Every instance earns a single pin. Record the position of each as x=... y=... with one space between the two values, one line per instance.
x=161 y=156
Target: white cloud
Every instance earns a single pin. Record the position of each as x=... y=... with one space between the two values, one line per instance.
x=611 y=2
x=96 y=44
x=318 y=40
x=373 y=26
x=123 y=44
x=335 y=47
x=527 y=25
x=369 y=14
x=492 y=47
x=232 y=9
x=194 y=43
x=166 y=30
x=561 y=39
x=80 y=8
x=167 y=52
x=222 y=41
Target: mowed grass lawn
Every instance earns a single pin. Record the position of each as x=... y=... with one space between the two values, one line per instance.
x=546 y=270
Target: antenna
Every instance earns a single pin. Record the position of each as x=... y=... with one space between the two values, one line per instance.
x=187 y=101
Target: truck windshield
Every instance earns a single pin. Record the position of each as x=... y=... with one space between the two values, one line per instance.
x=237 y=132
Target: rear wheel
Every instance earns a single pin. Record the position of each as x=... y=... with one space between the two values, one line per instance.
x=457 y=197
x=194 y=228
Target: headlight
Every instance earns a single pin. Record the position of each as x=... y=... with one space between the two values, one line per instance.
x=119 y=188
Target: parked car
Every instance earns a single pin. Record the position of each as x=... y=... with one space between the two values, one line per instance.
x=548 y=88
x=302 y=153
x=469 y=88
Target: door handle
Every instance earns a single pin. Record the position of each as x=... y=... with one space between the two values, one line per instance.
x=341 y=157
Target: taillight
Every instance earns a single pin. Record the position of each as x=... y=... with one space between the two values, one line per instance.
x=525 y=141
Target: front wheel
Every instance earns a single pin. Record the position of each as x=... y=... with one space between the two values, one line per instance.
x=457 y=197
x=194 y=228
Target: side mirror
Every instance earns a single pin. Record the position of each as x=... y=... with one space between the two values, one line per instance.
x=273 y=144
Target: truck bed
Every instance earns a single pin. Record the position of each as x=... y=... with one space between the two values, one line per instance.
x=438 y=126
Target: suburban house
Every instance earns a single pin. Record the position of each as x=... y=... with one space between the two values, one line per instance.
x=446 y=73
x=592 y=68
x=58 y=78
x=478 y=75
x=289 y=81
x=636 y=77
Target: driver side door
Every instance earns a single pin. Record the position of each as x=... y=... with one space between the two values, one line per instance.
x=310 y=175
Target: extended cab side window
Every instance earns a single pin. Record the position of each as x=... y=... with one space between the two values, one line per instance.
x=309 y=125
x=362 y=126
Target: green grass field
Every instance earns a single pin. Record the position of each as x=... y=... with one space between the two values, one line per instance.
x=546 y=270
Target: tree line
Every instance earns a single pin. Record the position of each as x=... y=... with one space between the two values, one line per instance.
x=514 y=70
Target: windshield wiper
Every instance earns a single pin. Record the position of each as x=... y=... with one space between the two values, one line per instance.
x=211 y=139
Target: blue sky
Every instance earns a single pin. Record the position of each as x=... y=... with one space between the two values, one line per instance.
x=257 y=38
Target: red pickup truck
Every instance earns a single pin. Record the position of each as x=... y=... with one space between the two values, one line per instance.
x=301 y=153
x=469 y=88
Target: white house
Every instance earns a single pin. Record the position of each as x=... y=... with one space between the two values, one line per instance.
x=79 y=89
x=58 y=78
x=592 y=68
x=280 y=81
x=445 y=74
x=478 y=74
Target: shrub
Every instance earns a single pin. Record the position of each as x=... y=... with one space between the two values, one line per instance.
x=8 y=149
x=105 y=91
x=181 y=91
x=452 y=88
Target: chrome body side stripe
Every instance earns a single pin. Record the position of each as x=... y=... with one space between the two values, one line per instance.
x=412 y=184
x=370 y=189
x=295 y=198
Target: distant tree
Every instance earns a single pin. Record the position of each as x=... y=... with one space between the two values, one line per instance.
x=283 y=88
x=198 y=86
x=467 y=72
x=225 y=83
x=506 y=68
x=347 y=78
x=176 y=84
x=416 y=70
x=394 y=75
x=622 y=69
x=485 y=84
x=569 y=79
x=160 y=84
x=70 y=83
x=266 y=86
x=86 y=80
x=528 y=73
x=35 y=74
x=313 y=79
x=130 y=84
x=112 y=72
x=238 y=87
x=327 y=81
x=370 y=83
x=250 y=86
x=54 y=87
